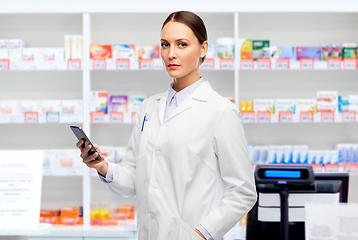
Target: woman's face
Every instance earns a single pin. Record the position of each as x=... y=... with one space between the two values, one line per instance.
x=180 y=49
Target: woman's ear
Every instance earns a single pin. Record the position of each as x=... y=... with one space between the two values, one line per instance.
x=204 y=49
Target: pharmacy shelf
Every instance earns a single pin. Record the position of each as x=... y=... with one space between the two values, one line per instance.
x=63 y=171
x=120 y=231
x=251 y=117
x=242 y=6
x=228 y=64
x=156 y=64
x=248 y=117
x=42 y=229
x=40 y=66
x=41 y=118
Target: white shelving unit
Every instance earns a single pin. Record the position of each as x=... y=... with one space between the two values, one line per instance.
x=108 y=22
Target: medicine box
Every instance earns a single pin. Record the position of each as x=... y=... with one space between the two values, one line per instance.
x=246 y=106
x=4 y=49
x=323 y=106
x=211 y=51
x=124 y=51
x=284 y=105
x=349 y=50
x=308 y=52
x=32 y=55
x=10 y=107
x=144 y=52
x=118 y=103
x=282 y=52
x=50 y=106
x=327 y=96
x=15 y=50
x=67 y=47
x=305 y=105
x=72 y=107
x=98 y=101
x=30 y=106
x=272 y=154
x=245 y=48
x=331 y=51
x=134 y=103
x=265 y=105
x=53 y=54
x=260 y=49
x=101 y=52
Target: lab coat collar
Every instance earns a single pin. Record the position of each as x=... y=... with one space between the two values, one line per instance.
x=202 y=93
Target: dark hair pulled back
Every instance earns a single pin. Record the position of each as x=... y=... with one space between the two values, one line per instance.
x=193 y=21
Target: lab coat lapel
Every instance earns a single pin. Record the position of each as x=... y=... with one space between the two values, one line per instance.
x=162 y=101
x=186 y=104
x=202 y=93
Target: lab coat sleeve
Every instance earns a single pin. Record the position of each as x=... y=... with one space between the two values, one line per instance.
x=124 y=174
x=236 y=170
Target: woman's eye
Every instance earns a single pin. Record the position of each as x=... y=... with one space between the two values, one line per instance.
x=164 y=45
x=182 y=45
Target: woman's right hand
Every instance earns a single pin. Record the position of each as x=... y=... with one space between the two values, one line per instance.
x=100 y=165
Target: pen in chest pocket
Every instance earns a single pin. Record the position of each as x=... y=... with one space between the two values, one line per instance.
x=144 y=120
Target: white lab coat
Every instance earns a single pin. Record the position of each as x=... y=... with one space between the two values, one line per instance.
x=179 y=168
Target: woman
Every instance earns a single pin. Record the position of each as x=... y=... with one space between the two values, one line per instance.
x=187 y=160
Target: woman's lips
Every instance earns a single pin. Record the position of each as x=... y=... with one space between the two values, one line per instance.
x=173 y=66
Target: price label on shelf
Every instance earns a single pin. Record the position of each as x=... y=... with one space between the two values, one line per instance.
x=264 y=63
x=146 y=64
x=71 y=172
x=332 y=168
x=123 y=64
x=306 y=117
x=55 y=66
x=13 y=119
x=53 y=117
x=263 y=117
x=247 y=64
x=351 y=168
x=46 y=172
x=349 y=116
x=334 y=63
x=133 y=117
x=307 y=63
x=4 y=64
x=248 y=117
x=327 y=117
x=116 y=117
x=317 y=168
x=208 y=64
x=285 y=116
x=99 y=64
x=74 y=64
x=226 y=63
x=282 y=63
x=31 y=117
x=98 y=117
x=350 y=63
x=33 y=66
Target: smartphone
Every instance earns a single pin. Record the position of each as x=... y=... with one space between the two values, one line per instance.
x=80 y=134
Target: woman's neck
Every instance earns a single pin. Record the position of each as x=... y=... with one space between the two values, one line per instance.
x=183 y=82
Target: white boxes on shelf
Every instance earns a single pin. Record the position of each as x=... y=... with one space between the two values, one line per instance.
x=15 y=50
x=32 y=55
x=4 y=49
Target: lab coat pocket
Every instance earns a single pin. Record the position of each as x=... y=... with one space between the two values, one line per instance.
x=186 y=232
x=143 y=139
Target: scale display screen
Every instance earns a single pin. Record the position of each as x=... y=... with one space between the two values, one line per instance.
x=282 y=174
